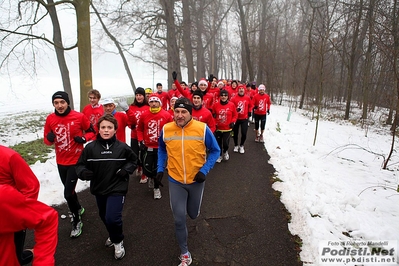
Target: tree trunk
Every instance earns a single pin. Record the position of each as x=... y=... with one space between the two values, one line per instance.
x=84 y=50
x=367 y=71
x=59 y=51
x=200 y=45
x=188 y=49
x=309 y=60
x=172 y=48
x=244 y=36
x=262 y=43
x=353 y=61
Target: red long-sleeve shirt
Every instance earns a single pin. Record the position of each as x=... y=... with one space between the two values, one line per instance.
x=225 y=115
x=204 y=115
x=20 y=212
x=14 y=171
x=65 y=128
x=262 y=102
x=134 y=113
x=244 y=104
x=150 y=126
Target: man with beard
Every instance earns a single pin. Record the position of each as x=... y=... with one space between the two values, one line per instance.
x=66 y=128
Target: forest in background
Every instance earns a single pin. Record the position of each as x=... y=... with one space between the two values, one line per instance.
x=321 y=52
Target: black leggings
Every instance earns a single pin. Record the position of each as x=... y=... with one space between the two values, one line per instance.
x=150 y=161
x=69 y=178
x=262 y=119
x=244 y=129
x=223 y=139
x=134 y=144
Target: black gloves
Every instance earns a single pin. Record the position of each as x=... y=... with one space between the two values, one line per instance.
x=199 y=177
x=87 y=175
x=122 y=173
x=79 y=139
x=50 y=136
x=256 y=107
x=231 y=125
x=158 y=179
x=174 y=75
x=210 y=78
x=142 y=146
x=268 y=112
x=238 y=109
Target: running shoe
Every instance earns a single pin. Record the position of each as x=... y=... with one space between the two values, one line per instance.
x=76 y=229
x=143 y=179
x=242 y=149
x=157 y=193
x=226 y=156
x=119 y=250
x=185 y=259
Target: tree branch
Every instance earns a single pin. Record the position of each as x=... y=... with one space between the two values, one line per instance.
x=31 y=36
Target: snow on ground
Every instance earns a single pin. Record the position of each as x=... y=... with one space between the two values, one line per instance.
x=334 y=190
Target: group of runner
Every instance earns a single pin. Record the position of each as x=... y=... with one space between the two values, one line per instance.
x=225 y=106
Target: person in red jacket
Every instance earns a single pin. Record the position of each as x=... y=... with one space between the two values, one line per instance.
x=164 y=96
x=65 y=129
x=20 y=212
x=14 y=171
x=171 y=110
x=225 y=114
x=261 y=103
x=233 y=89
x=139 y=106
x=209 y=97
x=94 y=110
x=244 y=107
x=183 y=92
x=148 y=130
x=121 y=117
x=174 y=92
x=201 y=113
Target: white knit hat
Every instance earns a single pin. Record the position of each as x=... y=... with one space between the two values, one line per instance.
x=202 y=81
x=262 y=87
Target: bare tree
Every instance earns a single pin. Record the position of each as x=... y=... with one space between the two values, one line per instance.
x=118 y=46
x=245 y=41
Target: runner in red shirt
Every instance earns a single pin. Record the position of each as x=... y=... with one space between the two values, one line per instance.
x=94 y=110
x=244 y=107
x=225 y=114
x=164 y=96
x=148 y=130
x=65 y=129
x=139 y=106
x=261 y=103
x=201 y=113
x=121 y=117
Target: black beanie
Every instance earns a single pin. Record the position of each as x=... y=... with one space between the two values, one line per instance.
x=140 y=90
x=224 y=92
x=199 y=93
x=60 y=95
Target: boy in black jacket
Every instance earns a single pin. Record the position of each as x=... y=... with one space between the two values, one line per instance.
x=107 y=163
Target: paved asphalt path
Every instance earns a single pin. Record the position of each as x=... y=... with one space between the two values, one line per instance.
x=242 y=222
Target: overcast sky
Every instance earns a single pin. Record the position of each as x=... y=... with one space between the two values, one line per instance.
x=24 y=89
